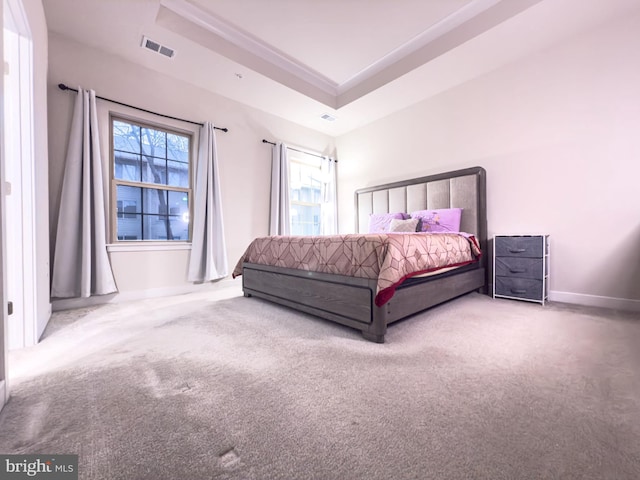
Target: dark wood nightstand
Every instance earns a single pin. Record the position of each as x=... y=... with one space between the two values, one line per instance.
x=521 y=267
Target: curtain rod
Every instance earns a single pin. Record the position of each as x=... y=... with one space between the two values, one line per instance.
x=62 y=86
x=301 y=151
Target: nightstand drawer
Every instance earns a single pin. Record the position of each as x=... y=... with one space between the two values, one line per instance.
x=528 y=288
x=519 y=246
x=519 y=267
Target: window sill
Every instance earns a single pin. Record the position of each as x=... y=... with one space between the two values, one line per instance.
x=147 y=246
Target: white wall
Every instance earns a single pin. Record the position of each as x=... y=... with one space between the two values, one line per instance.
x=245 y=161
x=558 y=133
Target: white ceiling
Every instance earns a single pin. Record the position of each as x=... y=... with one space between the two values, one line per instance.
x=357 y=60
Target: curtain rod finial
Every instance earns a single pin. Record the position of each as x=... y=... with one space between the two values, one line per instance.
x=62 y=86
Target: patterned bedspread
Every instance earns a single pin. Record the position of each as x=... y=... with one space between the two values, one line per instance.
x=389 y=258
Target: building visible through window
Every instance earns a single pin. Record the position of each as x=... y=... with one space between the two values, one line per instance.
x=152 y=187
x=306 y=193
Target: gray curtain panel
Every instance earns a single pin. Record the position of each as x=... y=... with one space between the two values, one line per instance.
x=81 y=265
x=279 y=221
x=208 y=259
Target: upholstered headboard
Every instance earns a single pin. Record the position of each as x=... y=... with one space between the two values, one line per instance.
x=465 y=189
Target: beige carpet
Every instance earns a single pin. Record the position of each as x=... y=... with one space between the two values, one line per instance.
x=201 y=387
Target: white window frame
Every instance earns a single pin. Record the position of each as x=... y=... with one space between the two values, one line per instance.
x=133 y=245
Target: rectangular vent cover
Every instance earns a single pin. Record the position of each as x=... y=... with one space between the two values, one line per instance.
x=156 y=47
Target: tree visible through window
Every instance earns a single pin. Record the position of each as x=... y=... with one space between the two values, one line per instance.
x=151 y=182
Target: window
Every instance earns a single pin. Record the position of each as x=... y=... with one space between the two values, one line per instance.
x=151 y=182
x=305 y=178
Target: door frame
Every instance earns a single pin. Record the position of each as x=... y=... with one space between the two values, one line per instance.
x=4 y=387
x=20 y=241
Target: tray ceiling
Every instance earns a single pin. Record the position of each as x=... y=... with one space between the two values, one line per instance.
x=357 y=60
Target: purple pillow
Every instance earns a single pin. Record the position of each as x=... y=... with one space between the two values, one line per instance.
x=441 y=220
x=379 y=222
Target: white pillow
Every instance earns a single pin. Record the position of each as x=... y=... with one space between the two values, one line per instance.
x=409 y=225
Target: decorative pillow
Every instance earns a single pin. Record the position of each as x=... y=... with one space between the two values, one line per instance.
x=442 y=220
x=409 y=225
x=379 y=222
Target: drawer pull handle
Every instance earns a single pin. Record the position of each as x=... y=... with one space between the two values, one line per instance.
x=516 y=290
x=517 y=250
x=517 y=270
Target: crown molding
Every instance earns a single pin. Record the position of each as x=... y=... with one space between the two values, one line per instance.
x=249 y=43
x=472 y=19
x=418 y=42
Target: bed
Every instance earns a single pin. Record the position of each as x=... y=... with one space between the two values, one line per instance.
x=356 y=301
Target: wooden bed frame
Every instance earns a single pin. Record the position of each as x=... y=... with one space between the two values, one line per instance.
x=350 y=300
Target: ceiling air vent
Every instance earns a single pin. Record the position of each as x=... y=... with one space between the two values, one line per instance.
x=327 y=117
x=156 y=47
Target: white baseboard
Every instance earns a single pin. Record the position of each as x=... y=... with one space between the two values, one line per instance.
x=596 y=301
x=71 y=303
